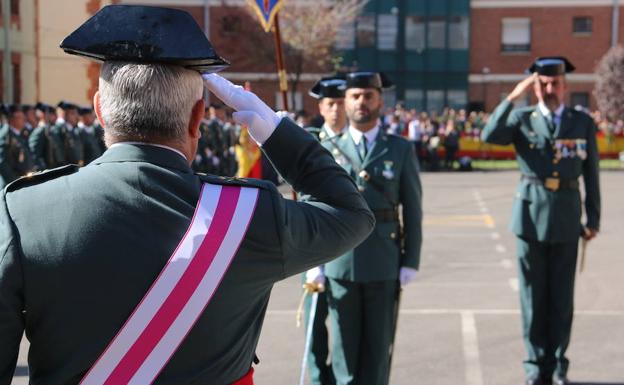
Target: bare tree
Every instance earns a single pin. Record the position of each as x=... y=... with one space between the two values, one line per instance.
x=309 y=31
x=609 y=89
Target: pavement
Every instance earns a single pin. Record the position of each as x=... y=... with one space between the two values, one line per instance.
x=459 y=321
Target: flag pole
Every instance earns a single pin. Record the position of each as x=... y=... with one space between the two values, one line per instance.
x=281 y=70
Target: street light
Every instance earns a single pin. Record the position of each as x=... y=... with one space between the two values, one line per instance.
x=484 y=71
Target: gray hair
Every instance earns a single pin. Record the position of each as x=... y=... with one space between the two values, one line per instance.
x=145 y=102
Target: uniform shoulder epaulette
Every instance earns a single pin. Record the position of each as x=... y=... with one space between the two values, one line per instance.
x=233 y=181
x=41 y=176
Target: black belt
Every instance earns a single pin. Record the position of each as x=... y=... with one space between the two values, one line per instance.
x=552 y=184
x=386 y=215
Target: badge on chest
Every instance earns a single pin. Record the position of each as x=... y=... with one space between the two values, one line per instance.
x=388 y=172
x=570 y=148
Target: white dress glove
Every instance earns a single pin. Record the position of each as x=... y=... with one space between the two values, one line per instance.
x=250 y=110
x=407 y=275
x=316 y=275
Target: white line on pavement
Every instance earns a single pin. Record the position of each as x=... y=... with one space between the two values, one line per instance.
x=513 y=283
x=500 y=248
x=471 y=349
x=507 y=263
x=495 y=235
x=600 y=313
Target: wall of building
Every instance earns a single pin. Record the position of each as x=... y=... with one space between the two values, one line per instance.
x=494 y=73
x=22 y=35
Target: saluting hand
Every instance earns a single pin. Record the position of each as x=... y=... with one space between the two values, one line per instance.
x=250 y=110
x=521 y=88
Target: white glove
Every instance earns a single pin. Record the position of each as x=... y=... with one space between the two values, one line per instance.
x=251 y=111
x=407 y=275
x=316 y=275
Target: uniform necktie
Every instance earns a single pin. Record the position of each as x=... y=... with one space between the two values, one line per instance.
x=550 y=119
x=363 y=147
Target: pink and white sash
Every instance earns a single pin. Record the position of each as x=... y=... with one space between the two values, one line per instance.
x=185 y=286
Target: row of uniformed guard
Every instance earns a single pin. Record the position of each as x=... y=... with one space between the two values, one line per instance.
x=39 y=137
x=34 y=138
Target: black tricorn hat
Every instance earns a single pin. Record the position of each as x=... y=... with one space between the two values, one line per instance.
x=67 y=105
x=551 y=66
x=145 y=34
x=329 y=87
x=45 y=108
x=369 y=79
x=13 y=108
x=27 y=107
x=85 y=110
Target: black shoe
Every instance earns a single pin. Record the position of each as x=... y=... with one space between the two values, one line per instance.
x=539 y=381
x=560 y=381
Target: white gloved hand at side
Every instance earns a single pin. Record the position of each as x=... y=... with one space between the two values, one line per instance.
x=316 y=275
x=250 y=110
x=407 y=275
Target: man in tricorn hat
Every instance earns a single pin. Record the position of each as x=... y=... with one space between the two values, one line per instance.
x=16 y=159
x=363 y=285
x=45 y=142
x=330 y=93
x=142 y=271
x=555 y=145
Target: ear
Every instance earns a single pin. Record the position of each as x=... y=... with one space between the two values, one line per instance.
x=197 y=114
x=98 y=110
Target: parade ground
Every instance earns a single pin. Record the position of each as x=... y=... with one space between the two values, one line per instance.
x=459 y=321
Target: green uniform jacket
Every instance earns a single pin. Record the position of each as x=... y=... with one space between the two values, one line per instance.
x=15 y=157
x=568 y=153
x=47 y=147
x=72 y=141
x=72 y=279
x=394 y=180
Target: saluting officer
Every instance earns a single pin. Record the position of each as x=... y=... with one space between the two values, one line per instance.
x=16 y=159
x=555 y=145
x=363 y=284
x=45 y=142
x=143 y=271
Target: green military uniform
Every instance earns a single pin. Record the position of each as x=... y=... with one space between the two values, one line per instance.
x=209 y=148
x=547 y=221
x=47 y=147
x=362 y=284
x=73 y=146
x=92 y=138
x=72 y=280
x=16 y=159
x=320 y=372
x=230 y=139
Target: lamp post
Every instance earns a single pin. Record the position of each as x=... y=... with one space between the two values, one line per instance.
x=484 y=71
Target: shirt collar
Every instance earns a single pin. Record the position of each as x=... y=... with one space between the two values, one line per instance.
x=371 y=135
x=331 y=133
x=546 y=112
x=151 y=144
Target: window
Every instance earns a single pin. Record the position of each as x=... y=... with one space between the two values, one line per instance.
x=366 y=31
x=414 y=33
x=457 y=98
x=582 y=25
x=387 y=30
x=579 y=99
x=458 y=33
x=435 y=100
x=15 y=7
x=345 y=37
x=414 y=98
x=230 y=25
x=516 y=35
x=437 y=33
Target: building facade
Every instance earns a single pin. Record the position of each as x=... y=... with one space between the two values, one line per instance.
x=507 y=35
x=422 y=45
